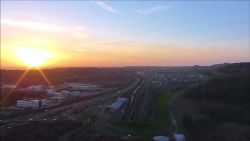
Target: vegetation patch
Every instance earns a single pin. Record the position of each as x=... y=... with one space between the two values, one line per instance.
x=160 y=110
x=39 y=131
x=158 y=122
x=223 y=103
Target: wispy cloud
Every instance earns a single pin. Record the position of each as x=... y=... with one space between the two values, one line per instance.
x=154 y=9
x=77 y=32
x=32 y=25
x=106 y=7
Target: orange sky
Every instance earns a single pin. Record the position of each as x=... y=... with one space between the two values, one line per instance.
x=71 y=44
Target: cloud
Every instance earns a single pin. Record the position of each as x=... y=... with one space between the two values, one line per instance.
x=106 y=7
x=154 y=9
x=32 y=25
x=77 y=32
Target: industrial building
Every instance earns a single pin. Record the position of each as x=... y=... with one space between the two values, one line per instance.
x=118 y=103
x=76 y=93
x=31 y=103
x=81 y=86
x=37 y=88
x=52 y=92
x=8 y=86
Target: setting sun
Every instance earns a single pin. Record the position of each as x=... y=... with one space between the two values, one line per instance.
x=32 y=57
x=115 y=70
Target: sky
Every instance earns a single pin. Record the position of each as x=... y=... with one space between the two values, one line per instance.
x=126 y=33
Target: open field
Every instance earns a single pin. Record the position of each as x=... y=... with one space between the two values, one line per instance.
x=158 y=121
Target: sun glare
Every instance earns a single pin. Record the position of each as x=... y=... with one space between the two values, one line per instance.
x=32 y=57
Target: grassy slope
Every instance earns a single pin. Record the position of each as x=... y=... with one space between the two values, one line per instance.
x=219 y=108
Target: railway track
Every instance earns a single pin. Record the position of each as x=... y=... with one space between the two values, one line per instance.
x=130 y=112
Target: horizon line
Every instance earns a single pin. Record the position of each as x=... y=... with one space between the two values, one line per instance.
x=23 y=68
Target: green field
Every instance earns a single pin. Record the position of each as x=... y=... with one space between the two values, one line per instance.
x=160 y=111
x=157 y=123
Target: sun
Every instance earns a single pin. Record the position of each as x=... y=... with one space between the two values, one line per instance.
x=32 y=57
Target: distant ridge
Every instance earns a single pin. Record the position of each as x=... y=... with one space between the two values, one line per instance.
x=173 y=66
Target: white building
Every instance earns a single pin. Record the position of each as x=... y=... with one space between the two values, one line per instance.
x=31 y=103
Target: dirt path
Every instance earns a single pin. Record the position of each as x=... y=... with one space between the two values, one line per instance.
x=173 y=121
x=171 y=114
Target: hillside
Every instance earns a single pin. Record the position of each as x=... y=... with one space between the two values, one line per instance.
x=218 y=110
